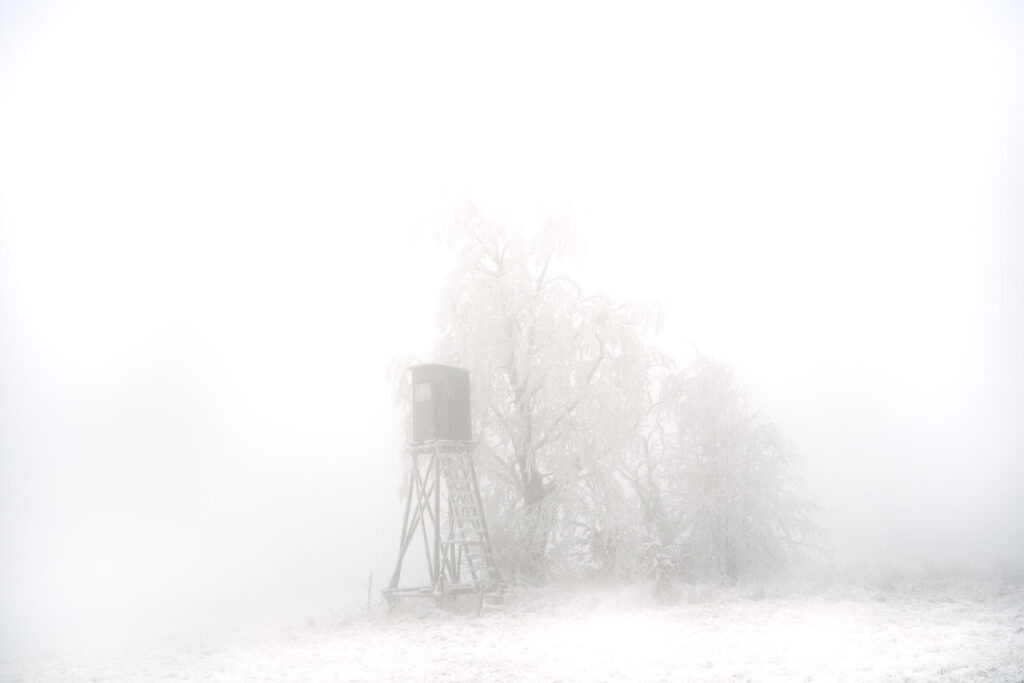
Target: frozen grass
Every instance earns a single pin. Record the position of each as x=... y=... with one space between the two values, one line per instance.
x=887 y=626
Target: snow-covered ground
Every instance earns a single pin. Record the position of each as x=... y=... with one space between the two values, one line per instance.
x=893 y=630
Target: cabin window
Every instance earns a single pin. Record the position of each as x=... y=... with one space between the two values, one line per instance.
x=443 y=394
x=421 y=392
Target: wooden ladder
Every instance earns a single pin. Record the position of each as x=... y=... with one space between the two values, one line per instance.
x=468 y=545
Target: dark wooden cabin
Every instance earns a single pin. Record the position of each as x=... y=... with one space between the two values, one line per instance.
x=440 y=396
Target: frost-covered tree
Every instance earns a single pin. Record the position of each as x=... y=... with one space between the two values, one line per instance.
x=559 y=383
x=596 y=454
x=717 y=484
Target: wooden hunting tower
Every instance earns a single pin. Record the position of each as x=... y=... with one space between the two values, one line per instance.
x=440 y=395
x=443 y=507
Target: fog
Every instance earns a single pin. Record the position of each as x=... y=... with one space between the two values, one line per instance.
x=218 y=229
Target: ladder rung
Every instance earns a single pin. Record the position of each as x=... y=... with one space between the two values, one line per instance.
x=469 y=541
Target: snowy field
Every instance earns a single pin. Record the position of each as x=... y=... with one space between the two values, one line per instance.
x=949 y=630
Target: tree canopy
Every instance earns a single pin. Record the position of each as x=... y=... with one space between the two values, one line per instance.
x=594 y=448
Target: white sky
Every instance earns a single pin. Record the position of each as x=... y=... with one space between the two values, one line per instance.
x=216 y=229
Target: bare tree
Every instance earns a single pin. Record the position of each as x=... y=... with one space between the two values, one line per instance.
x=717 y=482
x=559 y=384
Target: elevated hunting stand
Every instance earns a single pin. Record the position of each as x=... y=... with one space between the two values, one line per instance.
x=443 y=504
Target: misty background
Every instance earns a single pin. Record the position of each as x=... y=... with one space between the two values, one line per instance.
x=218 y=228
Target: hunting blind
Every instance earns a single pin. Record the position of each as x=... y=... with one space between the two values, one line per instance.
x=440 y=409
x=443 y=506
